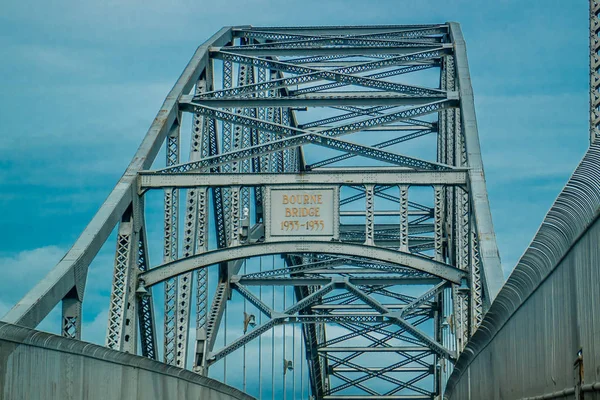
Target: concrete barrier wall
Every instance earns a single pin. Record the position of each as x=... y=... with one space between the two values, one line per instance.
x=548 y=310
x=40 y=366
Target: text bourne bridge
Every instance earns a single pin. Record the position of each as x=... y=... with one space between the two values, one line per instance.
x=327 y=232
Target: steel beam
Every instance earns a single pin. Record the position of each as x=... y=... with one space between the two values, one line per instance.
x=329 y=99
x=344 y=349
x=286 y=32
x=305 y=281
x=175 y=268
x=154 y=180
x=315 y=51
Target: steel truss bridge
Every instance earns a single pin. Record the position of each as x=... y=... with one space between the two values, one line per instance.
x=326 y=231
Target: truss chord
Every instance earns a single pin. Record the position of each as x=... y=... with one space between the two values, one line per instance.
x=334 y=41
x=415 y=32
x=342 y=75
x=323 y=138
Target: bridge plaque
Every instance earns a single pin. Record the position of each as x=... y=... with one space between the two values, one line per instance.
x=302 y=212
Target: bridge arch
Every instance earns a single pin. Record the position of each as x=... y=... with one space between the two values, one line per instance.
x=400 y=258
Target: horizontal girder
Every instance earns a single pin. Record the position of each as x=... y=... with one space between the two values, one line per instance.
x=376 y=397
x=328 y=99
x=400 y=369
x=330 y=262
x=285 y=32
x=343 y=349
x=307 y=281
x=154 y=180
x=315 y=51
x=339 y=41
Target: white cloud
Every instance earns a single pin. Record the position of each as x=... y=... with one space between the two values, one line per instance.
x=95 y=330
x=21 y=271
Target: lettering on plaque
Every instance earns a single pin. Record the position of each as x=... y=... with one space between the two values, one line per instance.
x=302 y=212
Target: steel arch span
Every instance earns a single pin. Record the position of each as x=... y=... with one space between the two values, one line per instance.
x=351 y=152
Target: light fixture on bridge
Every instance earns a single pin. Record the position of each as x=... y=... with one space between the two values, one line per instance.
x=249 y=320
x=244 y=224
x=288 y=365
x=141 y=289
x=464 y=285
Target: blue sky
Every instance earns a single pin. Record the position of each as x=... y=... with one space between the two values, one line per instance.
x=81 y=82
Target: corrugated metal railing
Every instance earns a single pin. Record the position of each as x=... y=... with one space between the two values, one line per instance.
x=574 y=211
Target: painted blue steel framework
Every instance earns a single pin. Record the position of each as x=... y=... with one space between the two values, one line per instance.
x=269 y=108
x=384 y=304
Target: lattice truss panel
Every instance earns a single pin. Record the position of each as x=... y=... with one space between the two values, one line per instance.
x=384 y=118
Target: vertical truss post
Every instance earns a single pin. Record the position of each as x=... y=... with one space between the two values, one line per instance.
x=439 y=222
x=71 y=316
x=195 y=207
x=464 y=310
x=184 y=288
x=438 y=316
x=227 y=84
x=449 y=128
x=146 y=314
x=205 y=319
x=207 y=137
x=274 y=115
x=262 y=137
x=235 y=215
x=222 y=213
x=477 y=301
x=403 y=197
x=227 y=146
x=463 y=244
x=242 y=136
x=369 y=215
x=202 y=279
x=290 y=161
x=122 y=314
x=442 y=131
x=171 y=228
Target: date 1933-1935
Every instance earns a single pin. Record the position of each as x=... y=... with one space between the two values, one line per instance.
x=295 y=225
